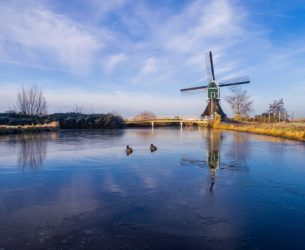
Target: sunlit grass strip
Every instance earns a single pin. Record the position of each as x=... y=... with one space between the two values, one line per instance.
x=284 y=130
x=7 y=129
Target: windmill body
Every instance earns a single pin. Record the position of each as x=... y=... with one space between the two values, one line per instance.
x=213 y=100
x=213 y=89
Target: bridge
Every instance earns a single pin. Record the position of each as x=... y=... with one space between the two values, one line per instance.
x=180 y=121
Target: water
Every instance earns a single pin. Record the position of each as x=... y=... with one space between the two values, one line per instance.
x=200 y=189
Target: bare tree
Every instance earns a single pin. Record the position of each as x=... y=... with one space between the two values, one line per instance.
x=277 y=109
x=31 y=101
x=240 y=102
x=145 y=115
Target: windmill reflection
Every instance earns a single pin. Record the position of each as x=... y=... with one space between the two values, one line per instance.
x=32 y=150
x=212 y=159
x=214 y=138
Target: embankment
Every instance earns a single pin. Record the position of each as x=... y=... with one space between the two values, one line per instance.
x=284 y=130
x=64 y=120
x=11 y=129
x=12 y=123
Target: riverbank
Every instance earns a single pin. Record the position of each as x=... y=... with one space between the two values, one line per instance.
x=11 y=129
x=64 y=120
x=284 y=130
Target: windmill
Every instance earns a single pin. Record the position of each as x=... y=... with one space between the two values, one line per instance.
x=213 y=89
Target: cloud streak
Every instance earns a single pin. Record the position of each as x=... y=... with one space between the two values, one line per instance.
x=37 y=35
x=142 y=54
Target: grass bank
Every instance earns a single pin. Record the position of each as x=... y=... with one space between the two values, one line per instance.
x=11 y=129
x=284 y=130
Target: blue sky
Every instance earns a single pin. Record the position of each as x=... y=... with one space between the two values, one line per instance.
x=128 y=56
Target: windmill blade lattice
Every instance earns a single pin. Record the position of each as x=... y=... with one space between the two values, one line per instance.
x=209 y=66
x=194 y=88
x=194 y=92
x=234 y=81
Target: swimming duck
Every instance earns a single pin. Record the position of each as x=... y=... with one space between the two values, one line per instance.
x=152 y=148
x=128 y=150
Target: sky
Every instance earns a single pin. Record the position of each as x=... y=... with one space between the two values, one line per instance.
x=126 y=56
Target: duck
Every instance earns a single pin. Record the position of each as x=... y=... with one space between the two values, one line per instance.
x=152 y=148
x=128 y=150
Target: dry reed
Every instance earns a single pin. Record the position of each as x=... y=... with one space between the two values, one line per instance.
x=8 y=129
x=284 y=130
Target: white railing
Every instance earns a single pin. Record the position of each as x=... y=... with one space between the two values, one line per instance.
x=185 y=118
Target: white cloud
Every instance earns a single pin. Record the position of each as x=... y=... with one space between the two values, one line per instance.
x=150 y=66
x=113 y=61
x=178 y=41
x=211 y=22
x=37 y=35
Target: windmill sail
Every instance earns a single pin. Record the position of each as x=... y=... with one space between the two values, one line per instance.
x=194 y=92
x=209 y=67
x=234 y=81
x=194 y=88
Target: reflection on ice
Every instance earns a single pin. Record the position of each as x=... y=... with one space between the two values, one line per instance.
x=88 y=195
x=213 y=141
x=31 y=148
x=32 y=151
x=212 y=155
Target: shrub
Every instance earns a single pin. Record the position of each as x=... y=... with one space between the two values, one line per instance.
x=66 y=120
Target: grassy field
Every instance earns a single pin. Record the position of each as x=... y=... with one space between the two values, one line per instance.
x=5 y=129
x=295 y=131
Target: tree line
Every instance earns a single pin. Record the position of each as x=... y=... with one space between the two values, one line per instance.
x=31 y=108
x=241 y=105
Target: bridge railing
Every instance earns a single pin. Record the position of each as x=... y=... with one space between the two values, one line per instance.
x=159 y=118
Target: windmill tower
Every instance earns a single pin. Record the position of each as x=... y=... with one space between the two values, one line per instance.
x=213 y=89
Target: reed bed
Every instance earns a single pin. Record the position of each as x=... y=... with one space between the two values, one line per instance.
x=284 y=130
x=10 y=129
